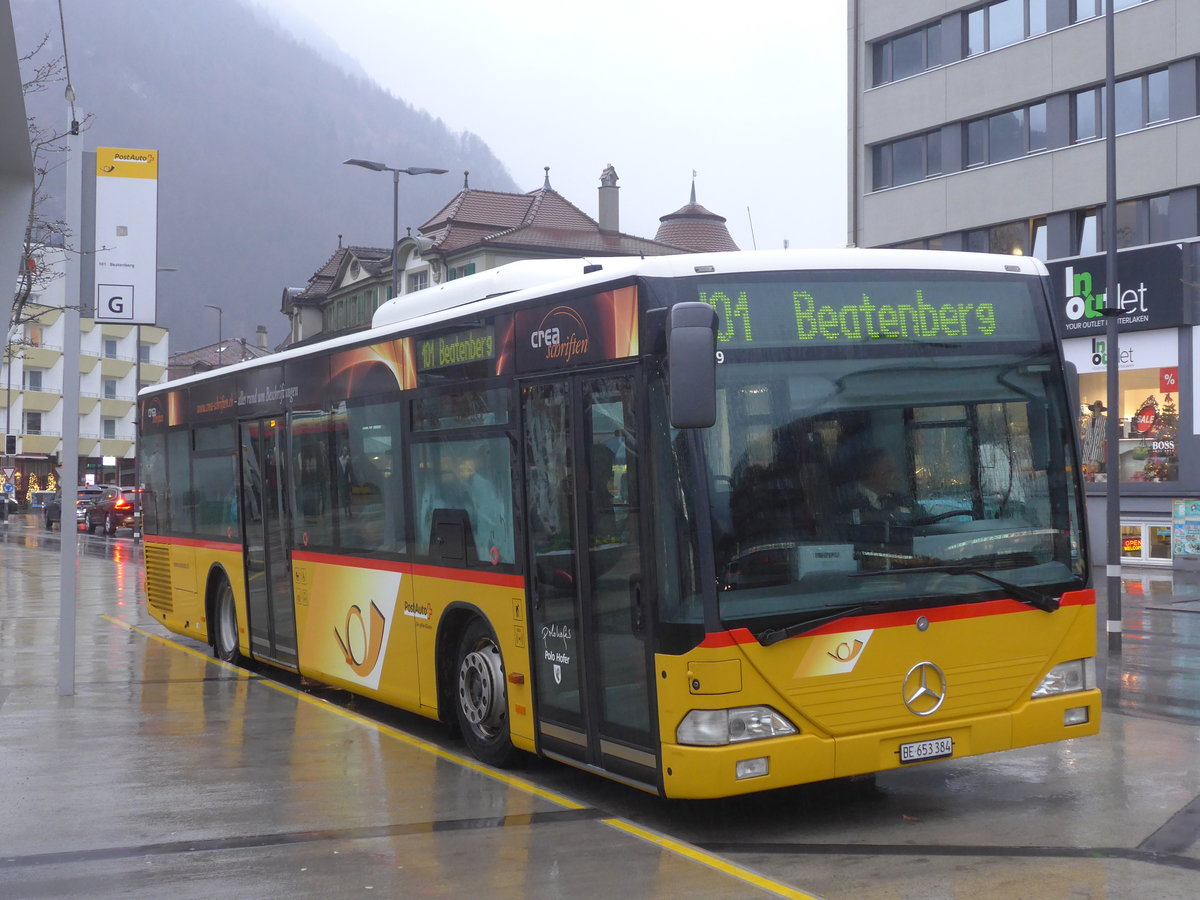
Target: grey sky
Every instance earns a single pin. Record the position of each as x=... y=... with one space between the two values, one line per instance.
x=751 y=95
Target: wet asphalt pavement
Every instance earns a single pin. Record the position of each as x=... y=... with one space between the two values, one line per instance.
x=167 y=773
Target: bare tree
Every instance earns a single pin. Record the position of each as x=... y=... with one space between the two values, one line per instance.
x=48 y=146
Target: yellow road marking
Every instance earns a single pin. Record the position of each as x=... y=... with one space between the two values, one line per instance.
x=713 y=862
x=475 y=766
x=662 y=841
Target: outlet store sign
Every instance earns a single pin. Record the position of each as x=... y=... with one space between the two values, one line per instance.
x=1149 y=285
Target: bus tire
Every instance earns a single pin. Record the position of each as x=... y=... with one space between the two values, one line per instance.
x=225 y=625
x=481 y=696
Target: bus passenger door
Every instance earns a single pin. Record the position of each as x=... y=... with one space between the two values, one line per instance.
x=591 y=642
x=266 y=531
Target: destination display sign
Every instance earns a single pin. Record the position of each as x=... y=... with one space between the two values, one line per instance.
x=811 y=310
x=456 y=348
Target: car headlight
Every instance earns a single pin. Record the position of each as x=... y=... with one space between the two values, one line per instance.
x=1068 y=678
x=715 y=727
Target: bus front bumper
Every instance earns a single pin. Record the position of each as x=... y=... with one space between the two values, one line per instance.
x=743 y=768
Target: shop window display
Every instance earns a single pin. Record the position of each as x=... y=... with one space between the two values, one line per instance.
x=1148 y=426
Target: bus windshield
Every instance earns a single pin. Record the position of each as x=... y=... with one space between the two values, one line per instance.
x=876 y=475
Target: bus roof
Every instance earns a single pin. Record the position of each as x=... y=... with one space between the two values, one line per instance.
x=530 y=279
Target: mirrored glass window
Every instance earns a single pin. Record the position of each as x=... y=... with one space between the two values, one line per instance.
x=1006 y=23
x=1158 y=97
x=1006 y=135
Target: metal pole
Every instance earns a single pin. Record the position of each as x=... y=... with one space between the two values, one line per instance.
x=220 y=335
x=137 y=445
x=69 y=481
x=8 y=352
x=395 y=233
x=1112 y=456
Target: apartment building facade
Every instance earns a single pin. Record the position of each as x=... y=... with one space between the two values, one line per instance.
x=113 y=360
x=979 y=126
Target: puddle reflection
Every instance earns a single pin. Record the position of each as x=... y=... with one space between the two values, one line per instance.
x=1157 y=672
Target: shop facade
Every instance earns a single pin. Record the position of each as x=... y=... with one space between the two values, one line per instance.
x=1157 y=344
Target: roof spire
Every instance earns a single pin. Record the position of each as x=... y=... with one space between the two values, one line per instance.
x=693 y=185
x=546 y=185
x=466 y=185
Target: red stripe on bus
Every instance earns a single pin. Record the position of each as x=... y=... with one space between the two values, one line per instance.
x=354 y=562
x=474 y=576
x=896 y=619
x=193 y=542
x=405 y=568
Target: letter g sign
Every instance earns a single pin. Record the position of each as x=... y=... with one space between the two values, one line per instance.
x=114 y=302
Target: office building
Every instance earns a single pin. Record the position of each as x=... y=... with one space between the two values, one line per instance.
x=979 y=126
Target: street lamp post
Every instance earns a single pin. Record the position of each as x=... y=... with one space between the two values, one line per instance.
x=220 y=336
x=411 y=170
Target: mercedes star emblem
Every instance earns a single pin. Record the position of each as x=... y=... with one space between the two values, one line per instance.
x=924 y=689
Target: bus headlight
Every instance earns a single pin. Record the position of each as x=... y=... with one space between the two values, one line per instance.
x=1068 y=677
x=714 y=727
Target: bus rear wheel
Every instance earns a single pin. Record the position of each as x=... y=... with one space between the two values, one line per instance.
x=225 y=625
x=481 y=697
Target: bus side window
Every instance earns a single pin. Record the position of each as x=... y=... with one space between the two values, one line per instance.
x=370 y=498
x=474 y=476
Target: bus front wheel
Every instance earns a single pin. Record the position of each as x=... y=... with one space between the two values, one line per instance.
x=225 y=625
x=481 y=698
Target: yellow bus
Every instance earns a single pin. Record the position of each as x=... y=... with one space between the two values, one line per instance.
x=704 y=524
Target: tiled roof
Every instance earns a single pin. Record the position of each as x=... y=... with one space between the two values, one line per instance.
x=542 y=219
x=472 y=207
x=579 y=240
x=321 y=282
x=189 y=362
x=695 y=228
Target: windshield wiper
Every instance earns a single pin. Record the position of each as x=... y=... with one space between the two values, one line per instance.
x=770 y=636
x=1019 y=592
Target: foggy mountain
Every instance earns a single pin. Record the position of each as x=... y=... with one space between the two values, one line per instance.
x=251 y=127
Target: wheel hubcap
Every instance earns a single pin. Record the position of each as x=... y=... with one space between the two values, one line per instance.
x=480 y=688
x=227 y=626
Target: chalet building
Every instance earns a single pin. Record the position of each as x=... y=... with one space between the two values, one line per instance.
x=478 y=230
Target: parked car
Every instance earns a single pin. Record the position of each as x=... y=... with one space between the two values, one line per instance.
x=84 y=495
x=116 y=507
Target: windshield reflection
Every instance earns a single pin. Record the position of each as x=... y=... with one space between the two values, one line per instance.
x=821 y=471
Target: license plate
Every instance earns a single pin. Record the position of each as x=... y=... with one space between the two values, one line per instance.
x=919 y=751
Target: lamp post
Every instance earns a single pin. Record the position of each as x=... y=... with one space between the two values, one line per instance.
x=411 y=170
x=220 y=338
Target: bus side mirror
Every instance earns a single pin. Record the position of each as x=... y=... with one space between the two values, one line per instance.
x=692 y=357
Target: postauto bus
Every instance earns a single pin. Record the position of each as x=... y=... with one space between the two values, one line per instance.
x=705 y=524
